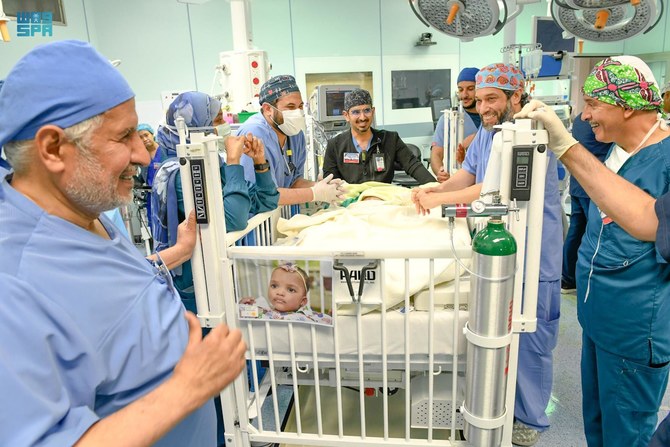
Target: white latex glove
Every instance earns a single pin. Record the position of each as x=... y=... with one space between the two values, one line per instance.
x=343 y=187
x=560 y=140
x=327 y=190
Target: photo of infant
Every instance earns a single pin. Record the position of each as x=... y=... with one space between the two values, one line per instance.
x=287 y=298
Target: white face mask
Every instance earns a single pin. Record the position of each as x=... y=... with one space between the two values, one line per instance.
x=294 y=122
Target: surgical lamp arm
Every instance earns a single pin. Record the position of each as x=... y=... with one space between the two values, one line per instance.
x=626 y=204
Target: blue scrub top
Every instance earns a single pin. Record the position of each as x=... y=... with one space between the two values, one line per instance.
x=476 y=161
x=116 y=218
x=623 y=285
x=87 y=326
x=259 y=127
x=469 y=127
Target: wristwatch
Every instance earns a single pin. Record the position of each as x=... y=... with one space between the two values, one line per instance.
x=262 y=166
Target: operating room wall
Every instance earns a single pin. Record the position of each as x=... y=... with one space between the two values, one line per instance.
x=165 y=45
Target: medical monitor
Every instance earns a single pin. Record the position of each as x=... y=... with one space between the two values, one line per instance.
x=548 y=33
x=329 y=101
x=326 y=105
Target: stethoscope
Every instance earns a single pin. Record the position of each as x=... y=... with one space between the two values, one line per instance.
x=290 y=167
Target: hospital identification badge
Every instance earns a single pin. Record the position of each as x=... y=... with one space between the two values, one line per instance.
x=379 y=164
x=351 y=157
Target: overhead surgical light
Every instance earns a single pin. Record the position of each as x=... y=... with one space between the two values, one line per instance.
x=465 y=19
x=606 y=20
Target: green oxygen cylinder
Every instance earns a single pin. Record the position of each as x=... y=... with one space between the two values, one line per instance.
x=490 y=320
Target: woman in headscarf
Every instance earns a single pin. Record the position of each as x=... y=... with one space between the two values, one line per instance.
x=201 y=113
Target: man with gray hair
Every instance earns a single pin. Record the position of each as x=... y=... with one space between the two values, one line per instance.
x=363 y=153
x=95 y=345
x=623 y=274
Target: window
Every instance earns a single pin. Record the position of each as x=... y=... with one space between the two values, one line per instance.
x=12 y=7
x=411 y=89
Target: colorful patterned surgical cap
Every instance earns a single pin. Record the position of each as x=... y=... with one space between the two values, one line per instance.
x=502 y=76
x=624 y=81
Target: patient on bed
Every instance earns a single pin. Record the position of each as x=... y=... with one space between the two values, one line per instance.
x=287 y=295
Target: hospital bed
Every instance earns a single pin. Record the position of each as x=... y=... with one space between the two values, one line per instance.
x=393 y=359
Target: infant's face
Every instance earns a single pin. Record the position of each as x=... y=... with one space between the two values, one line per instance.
x=286 y=291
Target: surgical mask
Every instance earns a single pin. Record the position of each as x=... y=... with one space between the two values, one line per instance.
x=294 y=122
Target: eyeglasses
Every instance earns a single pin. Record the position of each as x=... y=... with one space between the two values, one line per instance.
x=367 y=111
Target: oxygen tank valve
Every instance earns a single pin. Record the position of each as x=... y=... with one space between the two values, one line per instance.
x=478 y=208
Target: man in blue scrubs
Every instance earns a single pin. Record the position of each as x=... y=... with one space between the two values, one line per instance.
x=623 y=285
x=472 y=120
x=280 y=126
x=95 y=348
x=500 y=94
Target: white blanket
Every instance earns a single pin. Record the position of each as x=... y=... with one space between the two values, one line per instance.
x=375 y=224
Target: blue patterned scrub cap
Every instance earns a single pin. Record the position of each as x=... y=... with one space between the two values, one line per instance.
x=357 y=97
x=276 y=87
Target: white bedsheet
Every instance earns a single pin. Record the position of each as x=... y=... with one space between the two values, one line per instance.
x=371 y=336
x=375 y=224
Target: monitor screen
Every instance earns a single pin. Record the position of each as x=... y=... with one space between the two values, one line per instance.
x=548 y=33
x=335 y=102
x=439 y=104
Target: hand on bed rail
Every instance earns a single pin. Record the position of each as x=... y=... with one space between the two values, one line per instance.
x=209 y=364
x=329 y=190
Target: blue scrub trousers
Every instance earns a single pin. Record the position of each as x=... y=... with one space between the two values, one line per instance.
x=579 y=209
x=620 y=398
x=535 y=375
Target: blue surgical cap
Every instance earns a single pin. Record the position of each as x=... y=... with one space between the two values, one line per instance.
x=145 y=126
x=61 y=83
x=467 y=74
x=198 y=110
